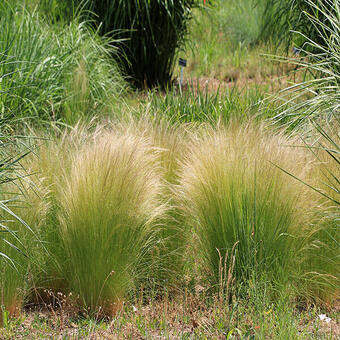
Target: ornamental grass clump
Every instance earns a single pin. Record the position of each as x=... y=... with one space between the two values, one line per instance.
x=96 y=200
x=151 y=33
x=53 y=72
x=109 y=205
x=316 y=98
x=13 y=247
x=299 y=21
x=320 y=249
x=42 y=175
x=313 y=107
x=170 y=141
x=245 y=213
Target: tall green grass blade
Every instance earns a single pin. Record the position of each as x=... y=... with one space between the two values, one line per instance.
x=53 y=72
x=151 y=33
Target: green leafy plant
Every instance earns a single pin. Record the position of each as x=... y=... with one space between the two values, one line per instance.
x=199 y=105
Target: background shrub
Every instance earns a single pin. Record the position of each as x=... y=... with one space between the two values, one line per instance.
x=316 y=98
x=281 y=17
x=241 y=21
x=151 y=33
x=53 y=73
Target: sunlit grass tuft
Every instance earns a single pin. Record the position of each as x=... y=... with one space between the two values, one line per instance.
x=239 y=204
x=108 y=204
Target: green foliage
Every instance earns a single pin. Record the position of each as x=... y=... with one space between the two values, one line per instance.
x=167 y=259
x=239 y=20
x=93 y=204
x=247 y=216
x=320 y=250
x=151 y=32
x=316 y=98
x=108 y=205
x=53 y=73
x=113 y=209
x=325 y=252
x=199 y=105
x=312 y=107
x=281 y=17
x=13 y=251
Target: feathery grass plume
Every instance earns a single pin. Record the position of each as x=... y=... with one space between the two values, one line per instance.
x=51 y=169
x=171 y=140
x=23 y=245
x=43 y=173
x=171 y=144
x=320 y=250
x=313 y=107
x=168 y=136
x=327 y=241
x=54 y=72
x=236 y=201
x=108 y=204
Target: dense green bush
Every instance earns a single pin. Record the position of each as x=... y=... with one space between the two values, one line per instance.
x=151 y=33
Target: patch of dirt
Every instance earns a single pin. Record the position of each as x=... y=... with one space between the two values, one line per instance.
x=165 y=319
